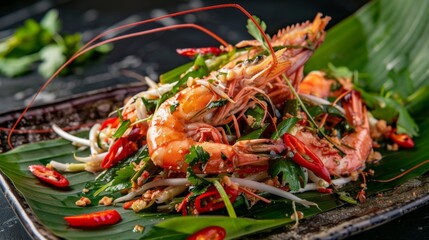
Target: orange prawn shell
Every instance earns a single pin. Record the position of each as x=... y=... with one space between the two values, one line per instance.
x=168 y=126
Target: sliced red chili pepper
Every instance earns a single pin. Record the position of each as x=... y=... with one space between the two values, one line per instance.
x=95 y=219
x=325 y=190
x=211 y=200
x=48 y=175
x=129 y=204
x=182 y=206
x=402 y=139
x=209 y=233
x=303 y=156
x=113 y=122
x=126 y=145
x=191 y=52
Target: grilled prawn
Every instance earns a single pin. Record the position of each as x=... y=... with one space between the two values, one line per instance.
x=172 y=130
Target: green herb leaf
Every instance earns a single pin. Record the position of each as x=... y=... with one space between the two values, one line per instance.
x=122 y=128
x=338 y=72
x=287 y=171
x=284 y=127
x=402 y=82
x=174 y=106
x=255 y=116
x=200 y=185
x=218 y=103
x=41 y=41
x=254 y=134
x=254 y=31
x=391 y=111
x=291 y=107
x=122 y=179
x=196 y=155
x=52 y=58
x=199 y=69
x=174 y=74
x=150 y=105
x=51 y=22
x=12 y=67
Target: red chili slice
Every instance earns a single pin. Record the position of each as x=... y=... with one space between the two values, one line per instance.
x=48 y=175
x=211 y=200
x=402 y=139
x=191 y=52
x=128 y=145
x=95 y=219
x=209 y=233
x=113 y=122
x=303 y=156
x=129 y=204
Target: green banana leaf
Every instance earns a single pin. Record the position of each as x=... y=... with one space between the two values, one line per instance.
x=384 y=35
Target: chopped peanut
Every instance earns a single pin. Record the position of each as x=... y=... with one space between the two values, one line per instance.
x=83 y=202
x=138 y=228
x=106 y=201
x=139 y=205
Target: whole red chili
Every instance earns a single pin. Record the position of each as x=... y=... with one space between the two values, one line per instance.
x=95 y=219
x=48 y=175
x=303 y=156
x=191 y=52
x=402 y=139
x=209 y=233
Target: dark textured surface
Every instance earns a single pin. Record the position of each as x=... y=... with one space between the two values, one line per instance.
x=155 y=54
x=10 y=226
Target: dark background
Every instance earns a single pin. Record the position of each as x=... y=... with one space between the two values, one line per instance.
x=155 y=54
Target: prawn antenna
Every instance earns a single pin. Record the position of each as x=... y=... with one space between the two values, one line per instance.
x=201 y=9
x=81 y=52
x=87 y=47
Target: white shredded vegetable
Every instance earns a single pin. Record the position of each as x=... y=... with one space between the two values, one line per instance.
x=91 y=158
x=93 y=134
x=273 y=190
x=157 y=183
x=70 y=137
x=316 y=100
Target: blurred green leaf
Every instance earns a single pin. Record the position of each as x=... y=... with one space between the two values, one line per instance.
x=52 y=58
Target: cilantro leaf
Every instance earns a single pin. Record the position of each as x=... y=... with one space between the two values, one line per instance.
x=51 y=22
x=196 y=155
x=122 y=179
x=288 y=172
x=200 y=185
x=34 y=42
x=254 y=31
x=12 y=67
x=52 y=57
